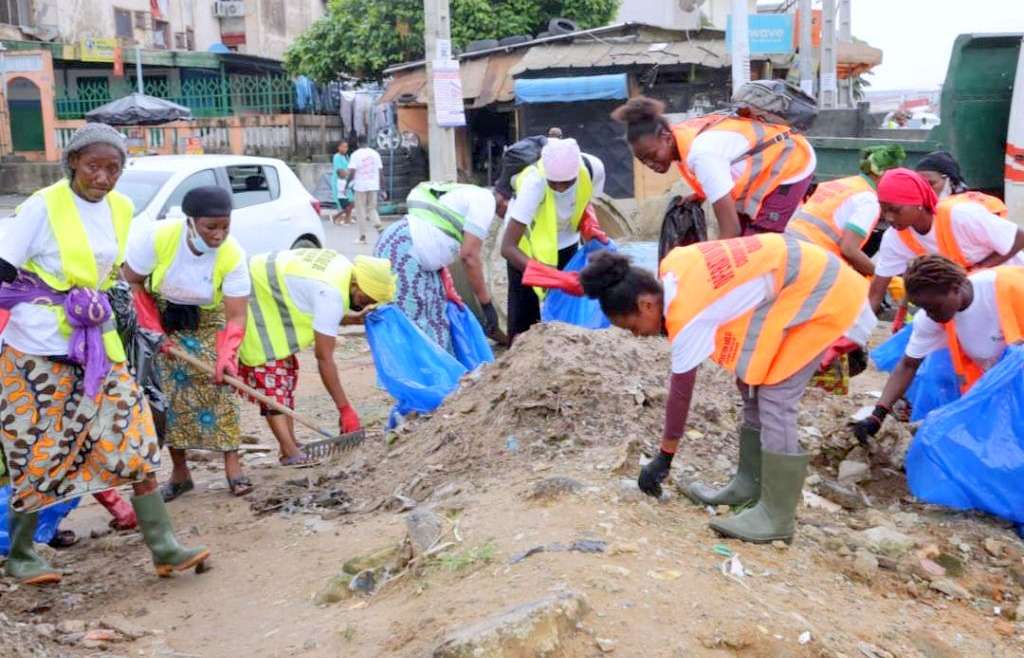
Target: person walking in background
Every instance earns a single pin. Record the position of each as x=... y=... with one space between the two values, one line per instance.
x=364 y=176
x=340 y=186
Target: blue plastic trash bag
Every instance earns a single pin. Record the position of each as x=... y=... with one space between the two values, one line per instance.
x=581 y=311
x=468 y=340
x=970 y=453
x=935 y=383
x=411 y=367
x=46 y=528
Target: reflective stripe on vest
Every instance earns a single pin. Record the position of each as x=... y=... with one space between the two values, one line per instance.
x=763 y=171
x=276 y=328
x=1009 y=306
x=76 y=256
x=424 y=202
x=540 y=242
x=945 y=239
x=815 y=299
x=815 y=220
x=166 y=243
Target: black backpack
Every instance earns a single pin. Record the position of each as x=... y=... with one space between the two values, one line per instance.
x=519 y=156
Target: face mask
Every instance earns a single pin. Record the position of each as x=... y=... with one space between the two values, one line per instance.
x=567 y=194
x=197 y=240
x=946 y=188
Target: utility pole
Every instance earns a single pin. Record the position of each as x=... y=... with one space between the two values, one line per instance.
x=845 y=35
x=437 y=24
x=740 y=44
x=806 y=54
x=138 y=69
x=827 y=90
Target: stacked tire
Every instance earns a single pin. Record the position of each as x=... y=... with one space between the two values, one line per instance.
x=404 y=169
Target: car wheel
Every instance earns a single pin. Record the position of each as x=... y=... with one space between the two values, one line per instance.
x=306 y=242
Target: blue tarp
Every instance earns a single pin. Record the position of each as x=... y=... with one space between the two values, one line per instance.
x=970 y=453
x=568 y=90
x=581 y=311
x=46 y=527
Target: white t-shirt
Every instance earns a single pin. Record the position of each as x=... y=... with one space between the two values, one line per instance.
x=531 y=193
x=696 y=341
x=367 y=165
x=978 y=232
x=27 y=236
x=321 y=300
x=710 y=160
x=431 y=246
x=977 y=326
x=859 y=213
x=189 y=279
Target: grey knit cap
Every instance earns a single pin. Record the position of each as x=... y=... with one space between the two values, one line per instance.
x=87 y=135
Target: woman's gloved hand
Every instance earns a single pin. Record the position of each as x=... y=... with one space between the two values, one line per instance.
x=867 y=428
x=589 y=228
x=449 y=288
x=348 y=419
x=654 y=473
x=146 y=311
x=539 y=275
x=490 y=318
x=229 y=339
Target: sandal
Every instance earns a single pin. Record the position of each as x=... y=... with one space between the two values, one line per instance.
x=301 y=460
x=240 y=485
x=63 y=539
x=171 y=490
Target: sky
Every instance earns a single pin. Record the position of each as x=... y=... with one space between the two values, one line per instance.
x=916 y=36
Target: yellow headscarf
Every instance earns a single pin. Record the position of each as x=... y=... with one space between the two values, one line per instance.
x=375 y=278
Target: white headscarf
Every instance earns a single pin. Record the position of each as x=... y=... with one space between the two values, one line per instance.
x=561 y=159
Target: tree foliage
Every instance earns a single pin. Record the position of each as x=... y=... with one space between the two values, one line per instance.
x=363 y=37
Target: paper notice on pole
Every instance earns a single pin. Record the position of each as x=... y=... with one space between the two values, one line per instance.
x=448 y=106
x=807 y=86
x=828 y=81
x=444 y=50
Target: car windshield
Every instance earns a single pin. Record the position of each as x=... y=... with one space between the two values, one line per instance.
x=141 y=186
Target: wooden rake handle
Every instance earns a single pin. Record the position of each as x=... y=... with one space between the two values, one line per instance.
x=202 y=366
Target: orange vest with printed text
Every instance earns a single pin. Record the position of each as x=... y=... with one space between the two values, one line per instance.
x=944 y=237
x=816 y=298
x=1010 y=303
x=763 y=172
x=815 y=220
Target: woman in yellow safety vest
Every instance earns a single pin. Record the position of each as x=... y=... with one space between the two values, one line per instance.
x=300 y=298
x=764 y=307
x=76 y=421
x=199 y=274
x=549 y=215
x=842 y=214
x=976 y=316
x=754 y=173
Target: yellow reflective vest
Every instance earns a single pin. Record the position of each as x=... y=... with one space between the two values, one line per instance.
x=76 y=257
x=540 y=242
x=276 y=328
x=166 y=243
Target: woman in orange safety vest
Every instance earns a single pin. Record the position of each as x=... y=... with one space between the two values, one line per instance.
x=961 y=227
x=754 y=173
x=976 y=316
x=842 y=214
x=765 y=307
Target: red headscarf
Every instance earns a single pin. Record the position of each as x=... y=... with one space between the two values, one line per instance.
x=904 y=187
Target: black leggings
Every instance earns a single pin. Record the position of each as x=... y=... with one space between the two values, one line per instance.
x=523 y=305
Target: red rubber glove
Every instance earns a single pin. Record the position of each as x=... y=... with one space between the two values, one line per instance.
x=589 y=228
x=539 y=275
x=842 y=346
x=146 y=311
x=900 y=319
x=348 y=419
x=449 y=288
x=124 y=515
x=229 y=339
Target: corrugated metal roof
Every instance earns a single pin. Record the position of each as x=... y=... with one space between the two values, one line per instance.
x=598 y=54
x=485 y=80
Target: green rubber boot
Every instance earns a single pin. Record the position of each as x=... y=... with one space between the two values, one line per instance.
x=23 y=563
x=745 y=486
x=168 y=554
x=774 y=516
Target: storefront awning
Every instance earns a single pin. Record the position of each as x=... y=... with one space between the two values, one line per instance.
x=571 y=90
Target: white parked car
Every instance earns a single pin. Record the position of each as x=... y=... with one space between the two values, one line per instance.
x=272 y=209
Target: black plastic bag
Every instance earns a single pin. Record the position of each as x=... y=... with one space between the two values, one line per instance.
x=141 y=347
x=684 y=224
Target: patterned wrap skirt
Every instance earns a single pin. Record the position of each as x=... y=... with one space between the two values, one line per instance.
x=200 y=415
x=60 y=444
x=275 y=379
x=420 y=292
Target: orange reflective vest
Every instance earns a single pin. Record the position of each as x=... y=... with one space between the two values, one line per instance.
x=816 y=299
x=786 y=158
x=815 y=221
x=1010 y=303
x=944 y=237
